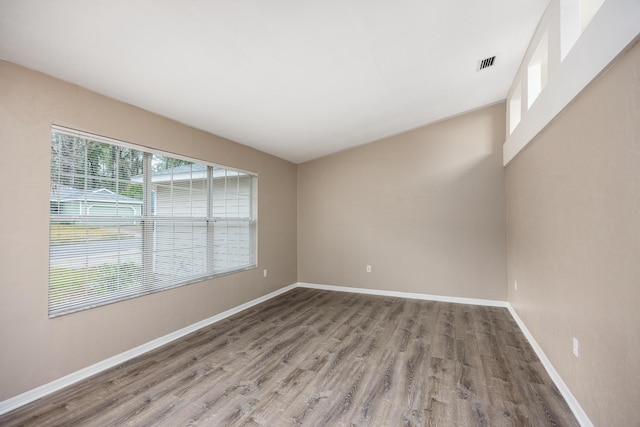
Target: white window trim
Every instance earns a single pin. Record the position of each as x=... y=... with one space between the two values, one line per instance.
x=147 y=221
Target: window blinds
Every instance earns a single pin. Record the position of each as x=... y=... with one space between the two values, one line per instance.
x=126 y=222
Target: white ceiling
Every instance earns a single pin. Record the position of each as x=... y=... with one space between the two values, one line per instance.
x=295 y=78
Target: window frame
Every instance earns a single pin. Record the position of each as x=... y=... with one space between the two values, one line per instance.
x=149 y=220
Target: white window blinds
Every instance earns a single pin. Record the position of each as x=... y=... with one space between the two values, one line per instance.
x=126 y=222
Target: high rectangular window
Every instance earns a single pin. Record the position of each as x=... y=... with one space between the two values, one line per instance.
x=588 y=9
x=515 y=108
x=126 y=221
x=537 y=71
x=575 y=17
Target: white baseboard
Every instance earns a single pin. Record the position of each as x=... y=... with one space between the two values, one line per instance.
x=42 y=391
x=577 y=410
x=411 y=295
x=575 y=407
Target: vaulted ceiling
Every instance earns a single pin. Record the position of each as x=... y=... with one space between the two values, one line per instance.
x=295 y=78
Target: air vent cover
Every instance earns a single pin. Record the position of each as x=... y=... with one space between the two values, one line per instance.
x=486 y=63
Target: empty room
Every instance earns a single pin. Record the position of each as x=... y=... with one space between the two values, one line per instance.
x=320 y=213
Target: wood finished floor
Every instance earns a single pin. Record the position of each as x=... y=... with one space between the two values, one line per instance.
x=320 y=358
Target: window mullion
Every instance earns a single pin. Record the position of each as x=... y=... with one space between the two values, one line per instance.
x=147 y=222
x=210 y=229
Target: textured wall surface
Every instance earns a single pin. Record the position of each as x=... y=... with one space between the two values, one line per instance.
x=425 y=209
x=573 y=207
x=35 y=349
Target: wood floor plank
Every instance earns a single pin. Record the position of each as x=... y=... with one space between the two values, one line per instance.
x=313 y=357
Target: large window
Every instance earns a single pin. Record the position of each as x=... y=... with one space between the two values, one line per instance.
x=125 y=221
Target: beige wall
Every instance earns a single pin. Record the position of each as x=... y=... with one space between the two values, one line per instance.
x=425 y=209
x=35 y=349
x=573 y=198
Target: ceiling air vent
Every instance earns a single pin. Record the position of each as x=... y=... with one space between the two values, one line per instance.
x=486 y=63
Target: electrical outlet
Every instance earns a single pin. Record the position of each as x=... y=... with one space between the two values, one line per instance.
x=515 y=285
x=368 y=269
x=576 y=347
x=264 y=273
